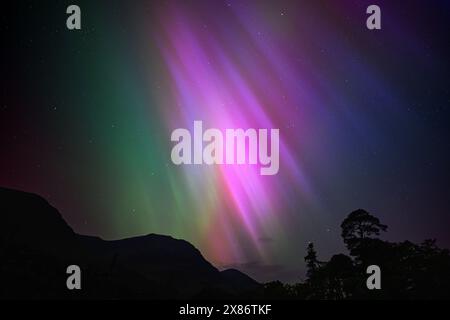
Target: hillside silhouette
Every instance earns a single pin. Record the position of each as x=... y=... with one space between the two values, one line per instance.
x=37 y=245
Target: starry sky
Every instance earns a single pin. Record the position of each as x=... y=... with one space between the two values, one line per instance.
x=86 y=118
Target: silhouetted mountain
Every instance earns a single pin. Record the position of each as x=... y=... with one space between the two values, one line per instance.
x=37 y=245
x=239 y=281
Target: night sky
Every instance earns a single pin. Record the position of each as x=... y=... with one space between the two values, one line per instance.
x=86 y=118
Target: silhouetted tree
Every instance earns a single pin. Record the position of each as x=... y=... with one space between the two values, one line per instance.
x=410 y=271
x=312 y=264
x=358 y=226
x=277 y=290
x=339 y=272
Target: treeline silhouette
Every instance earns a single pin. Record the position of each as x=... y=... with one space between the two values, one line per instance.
x=408 y=270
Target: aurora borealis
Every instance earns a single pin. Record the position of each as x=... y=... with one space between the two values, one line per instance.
x=86 y=118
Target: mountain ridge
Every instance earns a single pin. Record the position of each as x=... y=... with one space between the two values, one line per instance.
x=37 y=244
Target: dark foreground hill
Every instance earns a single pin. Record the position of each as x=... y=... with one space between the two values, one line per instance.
x=37 y=245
